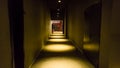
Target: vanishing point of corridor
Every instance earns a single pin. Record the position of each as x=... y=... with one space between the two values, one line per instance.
x=59 y=52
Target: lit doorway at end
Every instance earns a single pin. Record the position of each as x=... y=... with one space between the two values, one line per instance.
x=56 y=26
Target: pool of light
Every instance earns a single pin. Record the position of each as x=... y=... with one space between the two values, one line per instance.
x=62 y=62
x=59 y=47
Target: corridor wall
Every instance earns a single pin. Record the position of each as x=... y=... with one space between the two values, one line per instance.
x=36 y=22
x=77 y=26
x=110 y=34
x=76 y=19
x=5 y=45
x=92 y=32
x=75 y=22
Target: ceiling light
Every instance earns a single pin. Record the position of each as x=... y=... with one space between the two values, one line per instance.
x=58 y=13
x=58 y=9
x=59 y=1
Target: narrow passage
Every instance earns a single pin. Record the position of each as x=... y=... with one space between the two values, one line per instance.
x=59 y=52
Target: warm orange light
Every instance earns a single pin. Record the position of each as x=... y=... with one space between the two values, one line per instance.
x=59 y=47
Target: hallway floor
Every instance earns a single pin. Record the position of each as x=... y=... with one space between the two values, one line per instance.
x=60 y=53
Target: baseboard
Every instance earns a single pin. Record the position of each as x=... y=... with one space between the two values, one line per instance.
x=34 y=59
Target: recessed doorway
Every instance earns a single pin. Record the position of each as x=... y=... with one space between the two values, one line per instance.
x=56 y=27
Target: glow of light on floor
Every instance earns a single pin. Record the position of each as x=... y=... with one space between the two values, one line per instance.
x=57 y=32
x=58 y=40
x=91 y=47
x=62 y=62
x=59 y=47
x=58 y=37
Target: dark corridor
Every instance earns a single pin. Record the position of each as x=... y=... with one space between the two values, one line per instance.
x=88 y=36
x=56 y=10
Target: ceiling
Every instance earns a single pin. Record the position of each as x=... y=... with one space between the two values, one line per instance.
x=53 y=4
x=56 y=9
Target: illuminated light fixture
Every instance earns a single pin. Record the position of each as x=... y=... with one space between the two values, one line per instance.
x=58 y=13
x=59 y=48
x=59 y=1
x=62 y=62
x=58 y=40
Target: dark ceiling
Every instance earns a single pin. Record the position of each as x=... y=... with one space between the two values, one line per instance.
x=56 y=9
x=53 y=4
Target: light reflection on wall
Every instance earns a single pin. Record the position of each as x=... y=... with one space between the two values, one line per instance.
x=62 y=62
x=86 y=39
x=91 y=47
x=59 y=47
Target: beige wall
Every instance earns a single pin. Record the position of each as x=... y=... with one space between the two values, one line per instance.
x=5 y=48
x=36 y=21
